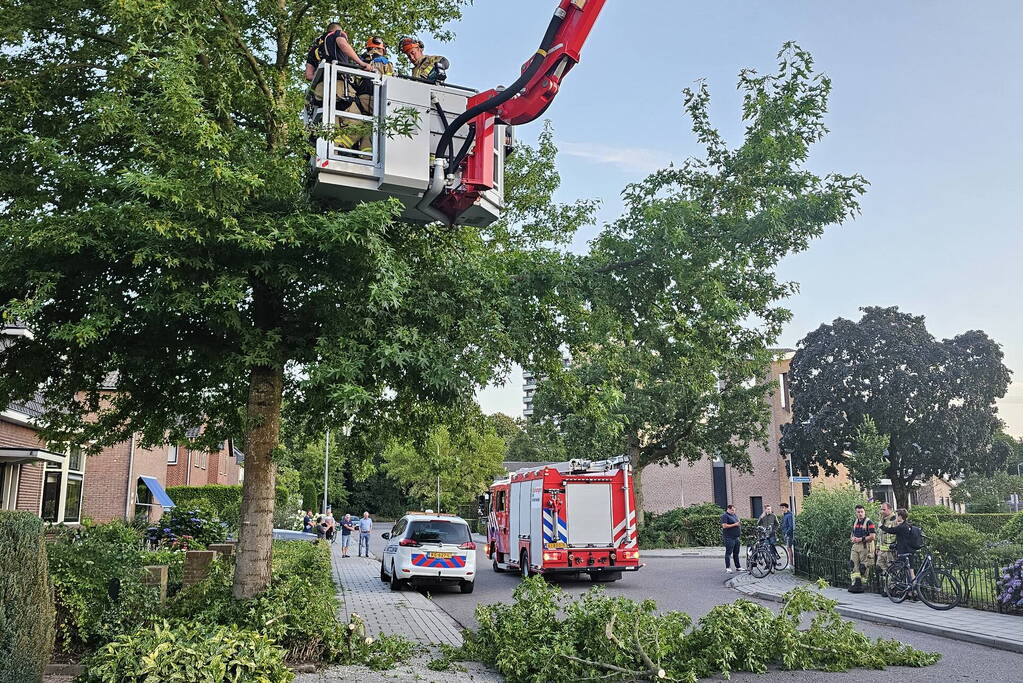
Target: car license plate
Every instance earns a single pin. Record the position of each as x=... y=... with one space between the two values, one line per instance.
x=441 y=556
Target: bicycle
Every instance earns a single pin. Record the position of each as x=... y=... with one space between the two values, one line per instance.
x=935 y=587
x=763 y=557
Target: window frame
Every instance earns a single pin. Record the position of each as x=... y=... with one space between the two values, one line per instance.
x=72 y=469
x=176 y=450
x=753 y=508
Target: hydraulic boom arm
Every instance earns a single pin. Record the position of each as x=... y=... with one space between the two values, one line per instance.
x=524 y=101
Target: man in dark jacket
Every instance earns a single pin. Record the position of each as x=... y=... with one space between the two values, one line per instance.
x=788 y=529
x=731 y=530
x=902 y=530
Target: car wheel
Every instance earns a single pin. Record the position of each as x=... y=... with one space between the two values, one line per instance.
x=396 y=583
x=383 y=574
x=524 y=564
x=467 y=586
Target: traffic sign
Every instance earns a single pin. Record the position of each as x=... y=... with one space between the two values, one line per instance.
x=800 y=480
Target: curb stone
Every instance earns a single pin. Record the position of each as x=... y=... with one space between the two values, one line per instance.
x=888 y=620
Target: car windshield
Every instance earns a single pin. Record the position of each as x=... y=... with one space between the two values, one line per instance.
x=439 y=531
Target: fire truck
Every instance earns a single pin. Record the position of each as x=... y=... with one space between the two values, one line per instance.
x=571 y=517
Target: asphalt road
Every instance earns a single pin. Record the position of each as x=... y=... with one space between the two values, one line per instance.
x=695 y=585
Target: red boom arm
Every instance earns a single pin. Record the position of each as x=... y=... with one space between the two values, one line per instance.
x=573 y=20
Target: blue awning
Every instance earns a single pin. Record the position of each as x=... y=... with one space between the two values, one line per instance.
x=161 y=496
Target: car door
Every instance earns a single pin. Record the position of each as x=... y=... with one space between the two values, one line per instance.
x=391 y=546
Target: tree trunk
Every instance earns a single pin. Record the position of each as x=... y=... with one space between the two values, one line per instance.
x=901 y=491
x=634 y=453
x=255 y=533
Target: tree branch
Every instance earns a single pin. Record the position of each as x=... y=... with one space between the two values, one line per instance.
x=250 y=58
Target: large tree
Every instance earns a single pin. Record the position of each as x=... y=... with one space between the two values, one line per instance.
x=158 y=234
x=935 y=400
x=673 y=328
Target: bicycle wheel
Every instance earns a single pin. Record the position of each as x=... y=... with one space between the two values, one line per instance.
x=760 y=563
x=898 y=583
x=939 y=589
x=783 y=558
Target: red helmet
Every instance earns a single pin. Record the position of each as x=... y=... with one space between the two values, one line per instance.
x=376 y=43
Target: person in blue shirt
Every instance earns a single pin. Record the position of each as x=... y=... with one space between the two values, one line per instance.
x=365 y=527
x=788 y=529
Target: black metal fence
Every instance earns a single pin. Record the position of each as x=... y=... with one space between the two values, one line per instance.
x=978 y=580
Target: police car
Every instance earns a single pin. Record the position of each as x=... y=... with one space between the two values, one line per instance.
x=429 y=548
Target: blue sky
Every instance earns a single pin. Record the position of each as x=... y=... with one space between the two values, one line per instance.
x=926 y=105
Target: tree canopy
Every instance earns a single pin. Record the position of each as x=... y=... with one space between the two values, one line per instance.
x=935 y=400
x=159 y=236
x=461 y=459
x=671 y=336
x=868 y=461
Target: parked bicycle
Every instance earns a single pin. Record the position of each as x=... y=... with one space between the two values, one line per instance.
x=764 y=557
x=935 y=587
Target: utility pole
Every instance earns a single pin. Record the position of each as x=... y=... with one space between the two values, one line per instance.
x=326 y=469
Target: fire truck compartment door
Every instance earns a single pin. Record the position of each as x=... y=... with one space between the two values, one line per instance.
x=589 y=514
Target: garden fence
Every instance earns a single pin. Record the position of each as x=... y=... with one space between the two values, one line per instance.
x=979 y=579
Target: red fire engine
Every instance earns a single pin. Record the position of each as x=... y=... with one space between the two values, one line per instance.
x=571 y=517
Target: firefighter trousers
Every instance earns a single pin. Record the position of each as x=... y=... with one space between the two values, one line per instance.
x=861 y=558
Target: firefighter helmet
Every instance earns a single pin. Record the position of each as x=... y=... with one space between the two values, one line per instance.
x=376 y=43
x=407 y=43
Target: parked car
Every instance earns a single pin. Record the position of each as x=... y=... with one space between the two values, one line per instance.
x=426 y=548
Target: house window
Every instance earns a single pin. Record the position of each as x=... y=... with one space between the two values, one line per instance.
x=172 y=455
x=756 y=506
x=62 y=489
x=143 y=500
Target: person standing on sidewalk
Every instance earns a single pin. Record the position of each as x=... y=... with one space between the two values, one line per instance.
x=886 y=539
x=788 y=530
x=861 y=556
x=347 y=527
x=365 y=527
x=731 y=530
x=769 y=521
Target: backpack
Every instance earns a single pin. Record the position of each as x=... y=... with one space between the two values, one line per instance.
x=916 y=537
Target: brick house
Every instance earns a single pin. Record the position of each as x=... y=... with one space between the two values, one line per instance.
x=712 y=481
x=120 y=482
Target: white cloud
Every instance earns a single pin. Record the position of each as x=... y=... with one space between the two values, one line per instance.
x=637 y=159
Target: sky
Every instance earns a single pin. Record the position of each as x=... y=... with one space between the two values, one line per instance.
x=926 y=105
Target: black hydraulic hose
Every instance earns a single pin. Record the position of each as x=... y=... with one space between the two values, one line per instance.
x=464 y=151
x=509 y=92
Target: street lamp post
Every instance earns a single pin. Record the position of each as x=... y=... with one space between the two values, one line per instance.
x=326 y=469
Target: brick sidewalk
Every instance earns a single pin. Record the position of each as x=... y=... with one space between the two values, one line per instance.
x=1001 y=631
x=407 y=613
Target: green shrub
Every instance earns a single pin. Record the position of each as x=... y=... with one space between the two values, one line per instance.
x=188 y=527
x=224 y=501
x=26 y=599
x=298 y=611
x=189 y=653
x=98 y=577
x=824 y=525
x=957 y=541
x=695 y=526
x=541 y=636
x=1012 y=530
x=988 y=523
x=1003 y=553
x=175 y=563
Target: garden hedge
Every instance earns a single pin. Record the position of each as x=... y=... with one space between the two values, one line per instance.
x=226 y=501
x=26 y=599
x=985 y=523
